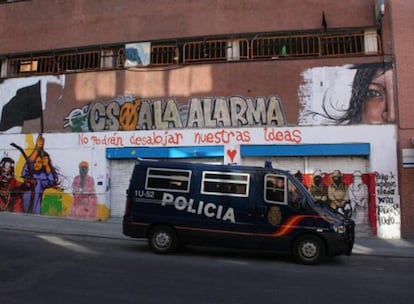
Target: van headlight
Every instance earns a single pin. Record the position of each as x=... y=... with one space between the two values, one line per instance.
x=340 y=229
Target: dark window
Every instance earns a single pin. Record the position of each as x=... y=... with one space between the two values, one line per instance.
x=174 y=180
x=225 y=183
x=275 y=189
x=334 y=45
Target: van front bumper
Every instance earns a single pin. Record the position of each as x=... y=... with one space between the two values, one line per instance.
x=341 y=243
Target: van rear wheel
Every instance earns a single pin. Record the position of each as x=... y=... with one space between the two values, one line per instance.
x=162 y=239
x=308 y=250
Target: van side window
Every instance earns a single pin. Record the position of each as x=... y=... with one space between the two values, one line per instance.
x=295 y=197
x=174 y=180
x=275 y=189
x=225 y=183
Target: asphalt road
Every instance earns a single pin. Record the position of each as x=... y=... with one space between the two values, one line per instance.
x=46 y=268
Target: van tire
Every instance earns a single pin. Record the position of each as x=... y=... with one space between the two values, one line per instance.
x=308 y=249
x=162 y=239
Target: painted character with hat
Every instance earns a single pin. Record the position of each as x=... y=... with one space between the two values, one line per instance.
x=317 y=189
x=337 y=192
x=84 y=194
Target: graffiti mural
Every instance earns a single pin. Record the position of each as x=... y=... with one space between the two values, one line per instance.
x=11 y=190
x=84 y=115
x=388 y=203
x=38 y=187
x=358 y=197
x=348 y=193
x=40 y=174
x=353 y=94
x=24 y=99
x=131 y=113
x=85 y=200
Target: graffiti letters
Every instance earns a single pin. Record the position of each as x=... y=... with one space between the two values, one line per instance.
x=386 y=184
x=221 y=137
x=387 y=199
x=128 y=114
x=273 y=135
x=113 y=140
x=157 y=139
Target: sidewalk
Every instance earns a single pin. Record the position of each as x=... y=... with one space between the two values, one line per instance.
x=112 y=228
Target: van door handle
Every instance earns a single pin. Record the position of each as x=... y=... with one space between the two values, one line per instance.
x=250 y=210
x=262 y=211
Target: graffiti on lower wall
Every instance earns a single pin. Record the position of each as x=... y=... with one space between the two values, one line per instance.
x=387 y=199
x=38 y=187
x=348 y=193
x=177 y=138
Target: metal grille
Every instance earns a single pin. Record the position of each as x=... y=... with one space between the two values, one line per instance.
x=205 y=51
x=216 y=50
x=79 y=61
x=164 y=54
x=282 y=46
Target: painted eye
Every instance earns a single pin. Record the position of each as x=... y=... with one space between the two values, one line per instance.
x=373 y=94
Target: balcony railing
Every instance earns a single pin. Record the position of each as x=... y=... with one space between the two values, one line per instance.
x=204 y=51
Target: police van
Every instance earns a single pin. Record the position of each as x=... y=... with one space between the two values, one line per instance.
x=179 y=203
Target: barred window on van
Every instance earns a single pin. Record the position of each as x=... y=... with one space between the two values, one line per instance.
x=225 y=183
x=275 y=189
x=164 y=179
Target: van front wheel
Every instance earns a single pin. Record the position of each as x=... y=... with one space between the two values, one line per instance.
x=162 y=239
x=309 y=250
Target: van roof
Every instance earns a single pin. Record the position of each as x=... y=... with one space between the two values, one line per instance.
x=197 y=165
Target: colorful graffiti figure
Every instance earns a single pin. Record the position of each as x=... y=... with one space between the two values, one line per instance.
x=11 y=190
x=338 y=194
x=40 y=174
x=84 y=195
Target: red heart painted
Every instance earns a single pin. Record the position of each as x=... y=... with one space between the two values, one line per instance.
x=231 y=154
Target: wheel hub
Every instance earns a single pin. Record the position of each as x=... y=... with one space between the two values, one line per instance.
x=309 y=250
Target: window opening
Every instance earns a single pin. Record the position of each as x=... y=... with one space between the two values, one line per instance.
x=275 y=189
x=350 y=44
x=165 y=179
x=225 y=183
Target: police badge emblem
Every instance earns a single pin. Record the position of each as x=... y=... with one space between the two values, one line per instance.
x=274 y=216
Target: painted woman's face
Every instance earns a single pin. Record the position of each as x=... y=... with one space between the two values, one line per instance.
x=38 y=164
x=379 y=102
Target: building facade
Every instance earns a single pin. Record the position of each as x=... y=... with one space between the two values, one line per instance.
x=319 y=89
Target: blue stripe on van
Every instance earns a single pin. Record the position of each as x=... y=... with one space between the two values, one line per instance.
x=355 y=149
x=165 y=152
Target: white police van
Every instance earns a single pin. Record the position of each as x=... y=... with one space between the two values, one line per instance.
x=177 y=203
